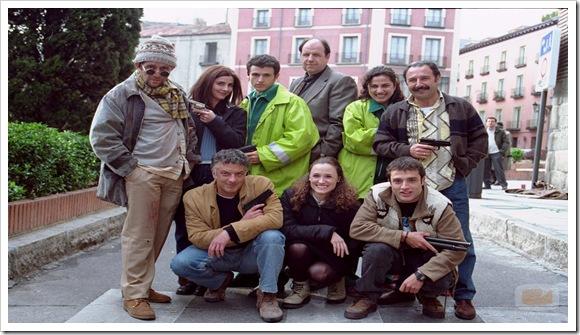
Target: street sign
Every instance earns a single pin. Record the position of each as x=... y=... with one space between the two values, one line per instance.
x=548 y=62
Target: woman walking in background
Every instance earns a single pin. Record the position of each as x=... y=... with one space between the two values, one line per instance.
x=220 y=124
x=361 y=165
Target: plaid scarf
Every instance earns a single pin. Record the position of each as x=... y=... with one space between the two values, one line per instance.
x=168 y=96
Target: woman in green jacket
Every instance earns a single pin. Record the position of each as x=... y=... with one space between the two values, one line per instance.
x=361 y=166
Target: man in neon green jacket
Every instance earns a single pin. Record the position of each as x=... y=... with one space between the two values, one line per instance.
x=279 y=125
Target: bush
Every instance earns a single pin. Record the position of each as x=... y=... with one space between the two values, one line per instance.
x=15 y=192
x=43 y=161
x=517 y=154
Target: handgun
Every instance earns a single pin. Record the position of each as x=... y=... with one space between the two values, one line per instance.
x=197 y=104
x=443 y=243
x=435 y=143
x=260 y=199
x=248 y=148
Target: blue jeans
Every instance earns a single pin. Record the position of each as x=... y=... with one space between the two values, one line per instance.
x=457 y=193
x=263 y=255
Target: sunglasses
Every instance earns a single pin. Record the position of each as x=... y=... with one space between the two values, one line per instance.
x=151 y=72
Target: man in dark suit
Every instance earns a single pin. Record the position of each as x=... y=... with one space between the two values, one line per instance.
x=327 y=94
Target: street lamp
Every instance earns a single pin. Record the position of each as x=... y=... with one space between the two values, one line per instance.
x=535 y=105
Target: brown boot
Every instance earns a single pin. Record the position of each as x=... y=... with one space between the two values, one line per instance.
x=157 y=297
x=360 y=309
x=139 y=309
x=219 y=294
x=432 y=307
x=464 y=309
x=336 y=293
x=268 y=305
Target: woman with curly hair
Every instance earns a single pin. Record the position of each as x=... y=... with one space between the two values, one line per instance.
x=318 y=210
x=361 y=165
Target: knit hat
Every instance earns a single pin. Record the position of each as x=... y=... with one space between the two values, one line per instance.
x=156 y=49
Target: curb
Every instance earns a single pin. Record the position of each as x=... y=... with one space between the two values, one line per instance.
x=547 y=250
x=29 y=252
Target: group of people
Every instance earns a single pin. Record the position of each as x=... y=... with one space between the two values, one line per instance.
x=296 y=182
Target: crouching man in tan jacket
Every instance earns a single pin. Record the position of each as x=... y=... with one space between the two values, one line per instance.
x=394 y=220
x=227 y=238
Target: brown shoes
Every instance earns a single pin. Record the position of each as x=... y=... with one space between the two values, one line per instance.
x=360 y=309
x=139 y=309
x=219 y=294
x=464 y=309
x=394 y=297
x=432 y=307
x=336 y=293
x=157 y=297
x=268 y=306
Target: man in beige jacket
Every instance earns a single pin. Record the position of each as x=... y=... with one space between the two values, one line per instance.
x=394 y=220
x=227 y=236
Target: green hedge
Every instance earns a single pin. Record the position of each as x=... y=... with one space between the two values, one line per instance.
x=517 y=154
x=43 y=161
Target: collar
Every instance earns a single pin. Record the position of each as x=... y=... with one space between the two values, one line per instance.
x=268 y=94
x=375 y=106
x=311 y=78
x=441 y=100
x=421 y=210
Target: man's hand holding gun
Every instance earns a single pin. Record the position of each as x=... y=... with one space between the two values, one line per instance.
x=426 y=146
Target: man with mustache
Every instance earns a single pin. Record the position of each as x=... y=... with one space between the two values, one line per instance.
x=431 y=114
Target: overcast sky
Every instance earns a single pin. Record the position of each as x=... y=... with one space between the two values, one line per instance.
x=472 y=23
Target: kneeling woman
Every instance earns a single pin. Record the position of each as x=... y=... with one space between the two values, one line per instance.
x=318 y=211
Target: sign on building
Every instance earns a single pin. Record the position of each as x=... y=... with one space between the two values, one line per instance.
x=548 y=62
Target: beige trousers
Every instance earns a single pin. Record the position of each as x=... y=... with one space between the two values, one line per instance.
x=152 y=201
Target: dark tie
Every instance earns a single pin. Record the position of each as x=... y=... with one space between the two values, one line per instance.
x=303 y=84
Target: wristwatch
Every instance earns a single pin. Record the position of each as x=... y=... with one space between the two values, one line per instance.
x=420 y=276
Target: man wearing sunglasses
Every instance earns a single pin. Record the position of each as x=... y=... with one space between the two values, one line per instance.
x=144 y=136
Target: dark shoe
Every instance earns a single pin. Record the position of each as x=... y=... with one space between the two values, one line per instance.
x=219 y=294
x=486 y=187
x=157 y=297
x=268 y=306
x=245 y=280
x=504 y=188
x=200 y=291
x=187 y=289
x=432 y=308
x=360 y=309
x=395 y=297
x=139 y=309
x=464 y=309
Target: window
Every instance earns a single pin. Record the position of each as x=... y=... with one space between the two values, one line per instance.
x=444 y=84
x=260 y=46
x=351 y=16
x=210 y=54
x=516 y=117
x=485 y=67
x=519 y=90
x=401 y=17
x=398 y=50
x=500 y=85
x=303 y=17
x=468 y=92
x=349 y=49
x=482 y=96
x=502 y=63
x=434 y=18
x=482 y=115
x=484 y=88
x=469 y=73
x=433 y=50
x=498 y=115
x=499 y=95
x=262 y=18
x=521 y=61
x=295 y=56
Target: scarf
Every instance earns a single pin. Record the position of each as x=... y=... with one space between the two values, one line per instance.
x=168 y=96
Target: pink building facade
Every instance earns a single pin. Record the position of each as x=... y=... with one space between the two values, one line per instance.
x=359 y=38
x=498 y=76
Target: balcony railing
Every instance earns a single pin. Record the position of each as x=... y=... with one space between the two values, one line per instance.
x=440 y=61
x=401 y=20
x=469 y=74
x=433 y=23
x=481 y=98
x=294 y=58
x=512 y=125
x=534 y=92
x=467 y=97
x=484 y=70
x=501 y=66
x=303 y=20
x=261 y=22
x=520 y=62
x=498 y=96
x=518 y=92
x=532 y=124
x=208 y=60
x=398 y=59
x=350 y=20
x=348 y=57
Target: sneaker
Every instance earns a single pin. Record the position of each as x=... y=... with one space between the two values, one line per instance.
x=219 y=294
x=268 y=306
x=394 y=297
x=360 y=309
x=300 y=295
x=157 y=297
x=432 y=307
x=464 y=309
x=336 y=293
x=139 y=309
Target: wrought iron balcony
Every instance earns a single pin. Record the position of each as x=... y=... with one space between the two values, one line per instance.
x=498 y=96
x=518 y=92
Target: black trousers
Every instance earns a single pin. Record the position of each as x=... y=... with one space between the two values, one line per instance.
x=380 y=260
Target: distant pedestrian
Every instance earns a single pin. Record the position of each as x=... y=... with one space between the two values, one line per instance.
x=362 y=167
x=145 y=138
x=220 y=125
x=327 y=93
x=280 y=126
x=498 y=144
x=431 y=114
x=508 y=157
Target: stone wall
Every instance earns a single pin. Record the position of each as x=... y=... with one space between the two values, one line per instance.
x=557 y=158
